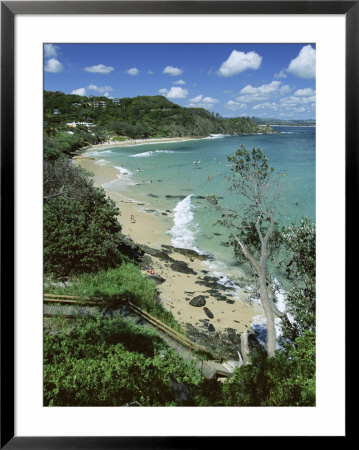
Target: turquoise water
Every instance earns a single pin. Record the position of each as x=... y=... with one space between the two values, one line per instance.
x=175 y=177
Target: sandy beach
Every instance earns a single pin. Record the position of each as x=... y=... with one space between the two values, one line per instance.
x=232 y=310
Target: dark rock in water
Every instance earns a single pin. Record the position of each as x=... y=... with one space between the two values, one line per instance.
x=164 y=214
x=179 y=197
x=211 y=327
x=208 y=312
x=217 y=234
x=199 y=300
x=153 y=195
x=180 y=266
x=212 y=283
x=230 y=301
x=168 y=211
x=150 y=210
x=201 y=197
x=181 y=391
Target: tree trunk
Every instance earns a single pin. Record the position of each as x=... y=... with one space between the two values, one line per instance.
x=268 y=310
x=245 y=347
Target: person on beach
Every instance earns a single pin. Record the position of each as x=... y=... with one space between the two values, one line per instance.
x=133 y=220
x=152 y=272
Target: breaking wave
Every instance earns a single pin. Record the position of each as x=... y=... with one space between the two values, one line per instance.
x=184 y=230
x=150 y=153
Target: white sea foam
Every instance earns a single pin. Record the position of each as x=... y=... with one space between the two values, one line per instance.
x=97 y=152
x=216 y=136
x=150 y=153
x=218 y=270
x=184 y=230
x=124 y=177
x=101 y=162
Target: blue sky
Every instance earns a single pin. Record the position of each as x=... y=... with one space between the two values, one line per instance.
x=263 y=80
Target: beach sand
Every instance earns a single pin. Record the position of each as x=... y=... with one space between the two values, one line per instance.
x=178 y=288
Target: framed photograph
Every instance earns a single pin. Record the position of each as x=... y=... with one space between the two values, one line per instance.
x=175 y=187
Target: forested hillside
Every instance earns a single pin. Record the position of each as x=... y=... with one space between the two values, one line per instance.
x=139 y=117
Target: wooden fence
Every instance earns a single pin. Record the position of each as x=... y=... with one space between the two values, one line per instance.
x=100 y=302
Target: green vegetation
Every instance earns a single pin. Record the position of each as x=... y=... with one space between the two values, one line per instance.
x=283 y=122
x=125 y=281
x=253 y=222
x=81 y=231
x=111 y=362
x=139 y=117
x=288 y=379
x=286 y=376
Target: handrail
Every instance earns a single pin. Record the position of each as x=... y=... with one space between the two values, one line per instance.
x=184 y=340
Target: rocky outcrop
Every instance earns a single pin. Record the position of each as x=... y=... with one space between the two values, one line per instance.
x=182 y=267
x=189 y=253
x=225 y=343
x=198 y=301
x=208 y=312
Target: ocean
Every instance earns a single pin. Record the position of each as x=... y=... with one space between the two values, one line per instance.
x=174 y=178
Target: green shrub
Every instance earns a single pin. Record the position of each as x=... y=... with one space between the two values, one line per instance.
x=81 y=230
x=109 y=362
x=288 y=379
x=125 y=281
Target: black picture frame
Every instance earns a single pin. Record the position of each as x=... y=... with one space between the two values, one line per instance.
x=9 y=9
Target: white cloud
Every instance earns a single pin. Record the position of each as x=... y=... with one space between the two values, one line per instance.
x=50 y=50
x=177 y=92
x=179 y=82
x=238 y=62
x=297 y=100
x=133 y=71
x=267 y=105
x=304 y=92
x=202 y=102
x=280 y=74
x=264 y=89
x=173 y=71
x=261 y=93
x=174 y=92
x=53 y=66
x=303 y=66
x=99 y=68
x=284 y=89
x=80 y=91
x=99 y=89
x=232 y=105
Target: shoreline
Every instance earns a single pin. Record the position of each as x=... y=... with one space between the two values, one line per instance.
x=186 y=276
x=135 y=142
